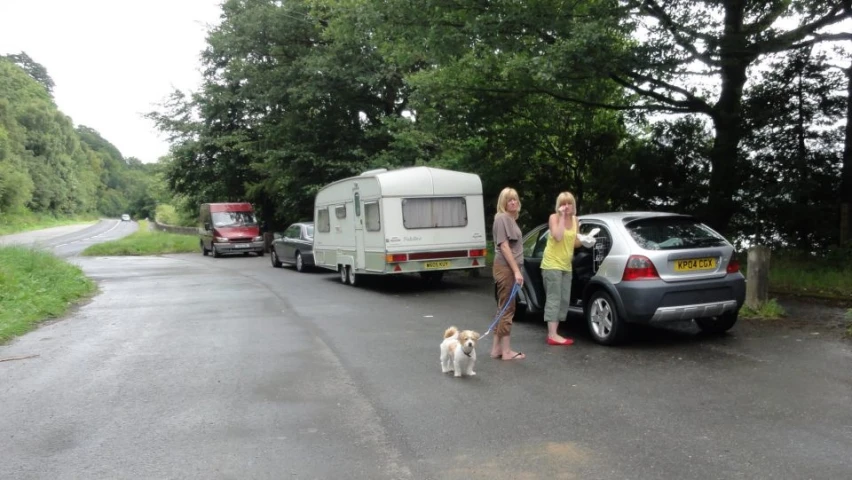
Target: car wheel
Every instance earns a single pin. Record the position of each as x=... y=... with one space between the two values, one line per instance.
x=300 y=265
x=605 y=324
x=273 y=257
x=716 y=325
x=350 y=272
x=216 y=253
x=344 y=277
x=204 y=251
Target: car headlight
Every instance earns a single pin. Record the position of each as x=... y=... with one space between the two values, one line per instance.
x=257 y=239
x=220 y=239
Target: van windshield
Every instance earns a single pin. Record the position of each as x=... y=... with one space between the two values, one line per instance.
x=234 y=219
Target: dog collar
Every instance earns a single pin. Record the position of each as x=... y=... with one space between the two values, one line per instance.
x=468 y=354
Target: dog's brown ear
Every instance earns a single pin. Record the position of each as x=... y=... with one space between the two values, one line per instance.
x=476 y=335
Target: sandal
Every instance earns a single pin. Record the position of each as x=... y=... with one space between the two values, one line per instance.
x=517 y=356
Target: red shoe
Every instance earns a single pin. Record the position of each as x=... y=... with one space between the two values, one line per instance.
x=567 y=341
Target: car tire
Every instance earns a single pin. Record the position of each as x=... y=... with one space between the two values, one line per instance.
x=273 y=257
x=300 y=264
x=352 y=276
x=216 y=253
x=344 y=274
x=204 y=251
x=605 y=324
x=718 y=325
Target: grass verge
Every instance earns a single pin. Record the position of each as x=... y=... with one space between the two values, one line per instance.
x=849 y=323
x=145 y=242
x=770 y=310
x=35 y=286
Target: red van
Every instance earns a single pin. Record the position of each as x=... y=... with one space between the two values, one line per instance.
x=229 y=228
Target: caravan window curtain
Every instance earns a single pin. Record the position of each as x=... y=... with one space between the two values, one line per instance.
x=323 y=224
x=441 y=212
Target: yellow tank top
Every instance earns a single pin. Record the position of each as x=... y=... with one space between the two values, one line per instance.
x=558 y=255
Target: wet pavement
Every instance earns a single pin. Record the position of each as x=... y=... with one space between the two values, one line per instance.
x=192 y=367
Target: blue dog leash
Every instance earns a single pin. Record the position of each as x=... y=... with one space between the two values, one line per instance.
x=515 y=288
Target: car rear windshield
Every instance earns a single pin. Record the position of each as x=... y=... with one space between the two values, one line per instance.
x=673 y=233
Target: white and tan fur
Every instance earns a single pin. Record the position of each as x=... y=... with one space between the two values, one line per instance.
x=458 y=351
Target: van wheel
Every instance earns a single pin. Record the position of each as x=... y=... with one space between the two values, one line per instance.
x=216 y=253
x=343 y=274
x=717 y=325
x=605 y=324
x=204 y=251
x=350 y=272
x=300 y=265
x=273 y=257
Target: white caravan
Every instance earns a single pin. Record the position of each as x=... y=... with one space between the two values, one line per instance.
x=417 y=219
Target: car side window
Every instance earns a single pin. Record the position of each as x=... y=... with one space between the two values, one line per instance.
x=292 y=232
x=603 y=242
x=541 y=243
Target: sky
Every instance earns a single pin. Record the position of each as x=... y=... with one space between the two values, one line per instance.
x=112 y=61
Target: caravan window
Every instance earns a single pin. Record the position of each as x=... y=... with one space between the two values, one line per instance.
x=434 y=212
x=323 y=224
x=371 y=215
x=340 y=211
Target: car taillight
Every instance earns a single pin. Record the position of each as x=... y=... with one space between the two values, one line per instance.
x=639 y=268
x=476 y=253
x=396 y=257
x=733 y=264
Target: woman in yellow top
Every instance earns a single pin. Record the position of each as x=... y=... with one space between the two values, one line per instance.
x=556 y=266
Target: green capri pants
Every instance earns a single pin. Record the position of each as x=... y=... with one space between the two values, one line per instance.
x=557 y=292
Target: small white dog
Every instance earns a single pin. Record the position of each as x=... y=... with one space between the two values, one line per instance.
x=458 y=351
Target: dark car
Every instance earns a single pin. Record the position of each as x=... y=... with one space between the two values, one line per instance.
x=646 y=268
x=294 y=247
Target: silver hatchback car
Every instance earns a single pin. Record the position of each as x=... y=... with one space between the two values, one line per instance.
x=646 y=268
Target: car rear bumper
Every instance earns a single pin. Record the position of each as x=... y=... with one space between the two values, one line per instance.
x=656 y=301
x=239 y=247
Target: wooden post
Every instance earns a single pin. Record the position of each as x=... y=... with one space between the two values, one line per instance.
x=757 y=277
x=267 y=241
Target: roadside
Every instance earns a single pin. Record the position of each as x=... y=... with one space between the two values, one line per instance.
x=33 y=237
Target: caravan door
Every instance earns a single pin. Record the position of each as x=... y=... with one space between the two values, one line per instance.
x=360 y=256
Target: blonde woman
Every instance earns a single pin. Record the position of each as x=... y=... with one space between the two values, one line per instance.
x=508 y=259
x=556 y=266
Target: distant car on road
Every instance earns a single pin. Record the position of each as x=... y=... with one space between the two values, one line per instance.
x=295 y=246
x=647 y=268
x=125 y=218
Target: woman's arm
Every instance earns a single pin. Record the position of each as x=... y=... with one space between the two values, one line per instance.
x=506 y=250
x=557 y=226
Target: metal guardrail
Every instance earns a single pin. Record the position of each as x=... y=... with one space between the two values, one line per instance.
x=174 y=229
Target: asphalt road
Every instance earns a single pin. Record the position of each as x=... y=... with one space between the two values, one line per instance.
x=186 y=366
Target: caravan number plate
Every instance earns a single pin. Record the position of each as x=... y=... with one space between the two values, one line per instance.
x=441 y=264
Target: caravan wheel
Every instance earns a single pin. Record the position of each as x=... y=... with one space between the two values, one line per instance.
x=351 y=274
x=343 y=274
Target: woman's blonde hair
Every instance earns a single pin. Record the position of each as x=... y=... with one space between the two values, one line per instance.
x=563 y=199
x=507 y=194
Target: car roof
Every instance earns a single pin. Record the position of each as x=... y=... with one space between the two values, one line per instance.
x=628 y=216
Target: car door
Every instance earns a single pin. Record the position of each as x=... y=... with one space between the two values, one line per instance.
x=586 y=261
x=290 y=240
x=534 y=243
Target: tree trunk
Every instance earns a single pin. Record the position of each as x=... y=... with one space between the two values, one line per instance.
x=846 y=173
x=727 y=176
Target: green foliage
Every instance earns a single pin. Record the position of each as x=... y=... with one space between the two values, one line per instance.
x=828 y=275
x=35 y=286
x=770 y=310
x=849 y=323
x=167 y=215
x=145 y=242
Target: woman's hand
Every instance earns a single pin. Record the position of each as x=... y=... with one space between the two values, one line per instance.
x=519 y=278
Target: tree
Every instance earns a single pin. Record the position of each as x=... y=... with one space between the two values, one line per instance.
x=33 y=69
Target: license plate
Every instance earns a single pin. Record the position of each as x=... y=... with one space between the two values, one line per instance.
x=692 y=264
x=441 y=264
x=242 y=245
